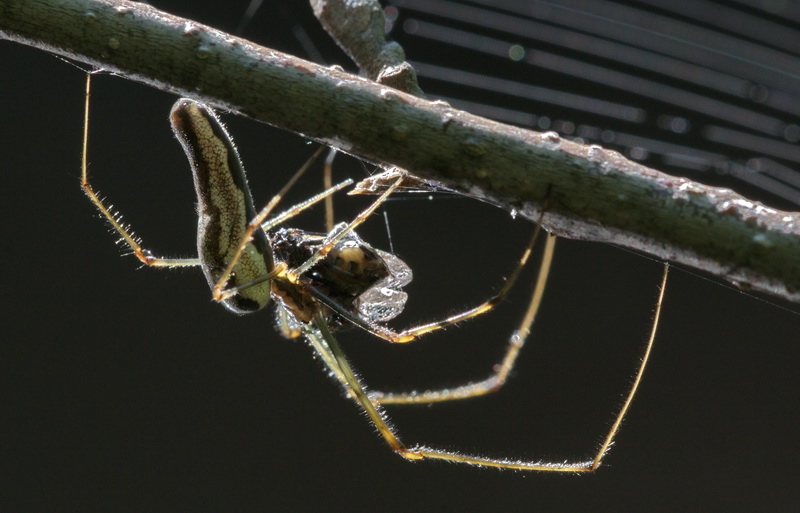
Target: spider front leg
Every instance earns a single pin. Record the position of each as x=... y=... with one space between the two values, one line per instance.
x=134 y=243
x=225 y=206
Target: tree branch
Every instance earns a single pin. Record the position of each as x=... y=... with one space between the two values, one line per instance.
x=358 y=27
x=592 y=193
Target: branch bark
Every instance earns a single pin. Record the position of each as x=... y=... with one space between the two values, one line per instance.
x=358 y=27
x=593 y=193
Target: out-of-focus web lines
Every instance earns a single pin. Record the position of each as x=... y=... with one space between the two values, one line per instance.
x=699 y=86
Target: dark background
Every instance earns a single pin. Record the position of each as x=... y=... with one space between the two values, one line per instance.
x=127 y=389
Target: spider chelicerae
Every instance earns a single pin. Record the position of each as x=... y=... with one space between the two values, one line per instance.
x=321 y=282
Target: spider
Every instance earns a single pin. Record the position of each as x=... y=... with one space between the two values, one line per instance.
x=321 y=282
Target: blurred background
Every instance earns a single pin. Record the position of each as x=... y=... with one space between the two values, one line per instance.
x=128 y=389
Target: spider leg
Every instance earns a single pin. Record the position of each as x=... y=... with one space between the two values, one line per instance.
x=334 y=358
x=327 y=182
x=331 y=353
x=502 y=370
x=133 y=242
x=296 y=209
x=412 y=334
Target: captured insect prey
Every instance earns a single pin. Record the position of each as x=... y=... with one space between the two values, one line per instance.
x=359 y=278
x=321 y=283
